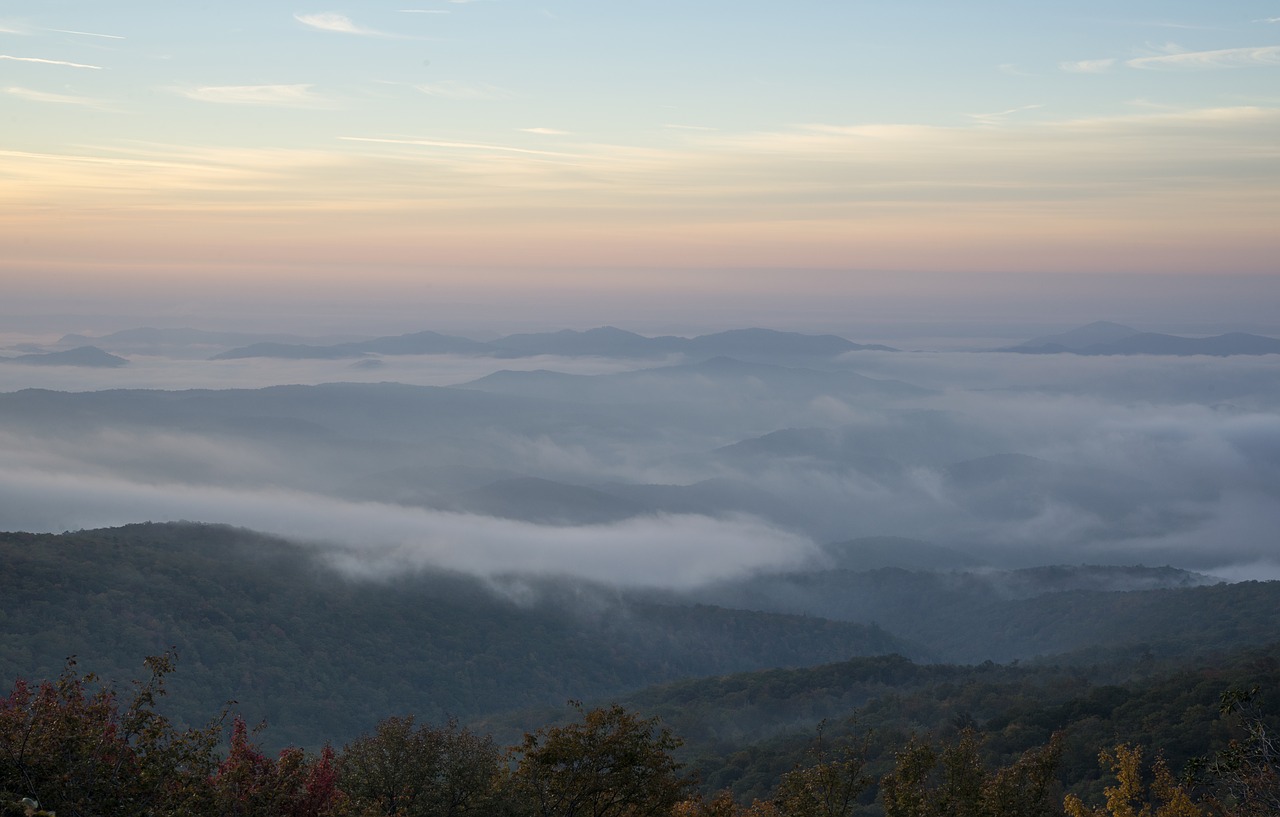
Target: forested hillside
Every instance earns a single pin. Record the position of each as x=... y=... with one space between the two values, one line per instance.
x=1008 y=615
x=321 y=656
x=745 y=731
x=986 y=741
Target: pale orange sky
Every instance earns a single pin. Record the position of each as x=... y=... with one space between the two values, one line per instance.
x=480 y=147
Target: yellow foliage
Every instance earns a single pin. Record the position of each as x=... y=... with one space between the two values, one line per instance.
x=722 y=805
x=1130 y=797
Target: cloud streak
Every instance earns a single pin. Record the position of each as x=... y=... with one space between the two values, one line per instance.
x=50 y=62
x=376 y=538
x=290 y=96
x=87 y=33
x=471 y=146
x=1100 y=66
x=885 y=195
x=451 y=89
x=1260 y=56
x=339 y=24
x=997 y=116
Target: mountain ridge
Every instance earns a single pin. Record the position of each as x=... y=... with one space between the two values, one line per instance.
x=1103 y=338
x=604 y=341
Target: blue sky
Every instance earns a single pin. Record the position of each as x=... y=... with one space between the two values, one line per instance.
x=182 y=142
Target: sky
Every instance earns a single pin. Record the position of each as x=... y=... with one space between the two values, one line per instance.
x=395 y=152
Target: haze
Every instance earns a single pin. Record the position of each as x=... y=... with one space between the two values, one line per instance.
x=671 y=470
x=943 y=179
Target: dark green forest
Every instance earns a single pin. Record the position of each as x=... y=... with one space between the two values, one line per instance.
x=998 y=746
x=279 y=685
x=319 y=656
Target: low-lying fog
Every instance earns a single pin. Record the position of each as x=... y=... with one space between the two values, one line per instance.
x=666 y=471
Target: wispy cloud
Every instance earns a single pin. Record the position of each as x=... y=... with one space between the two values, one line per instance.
x=44 y=96
x=423 y=11
x=452 y=89
x=1182 y=26
x=891 y=195
x=338 y=23
x=670 y=550
x=1267 y=55
x=1087 y=66
x=18 y=27
x=545 y=131
x=434 y=143
x=991 y=117
x=50 y=62
x=293 y=96
x=86 y=33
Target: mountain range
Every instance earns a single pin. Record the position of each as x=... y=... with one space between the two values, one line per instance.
x=604 y=341
x=1105 y=338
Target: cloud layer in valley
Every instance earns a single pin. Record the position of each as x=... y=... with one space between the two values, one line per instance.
x=675 y=474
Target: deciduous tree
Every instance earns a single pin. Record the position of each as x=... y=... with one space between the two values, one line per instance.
x=611 y=763
x=1131 y=796
x=422 y=771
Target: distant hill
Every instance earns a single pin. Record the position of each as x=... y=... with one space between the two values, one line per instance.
x=750 y=342
x=87 y=356
x=1005 y=615
x=419 y=343
x=719 y=378
x=1103 y=338
x=1076 y=339
x=908 y=437
x=605 y=341
x=545 y=502
x=288 y=351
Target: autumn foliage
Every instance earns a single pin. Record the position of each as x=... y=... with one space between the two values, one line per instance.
x=73 y=746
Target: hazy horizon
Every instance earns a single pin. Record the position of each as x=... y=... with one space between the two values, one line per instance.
x=943 y=178
x=939 y=310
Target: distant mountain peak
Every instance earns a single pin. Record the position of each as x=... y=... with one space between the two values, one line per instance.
x=1077 y=339
x=87 y=356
